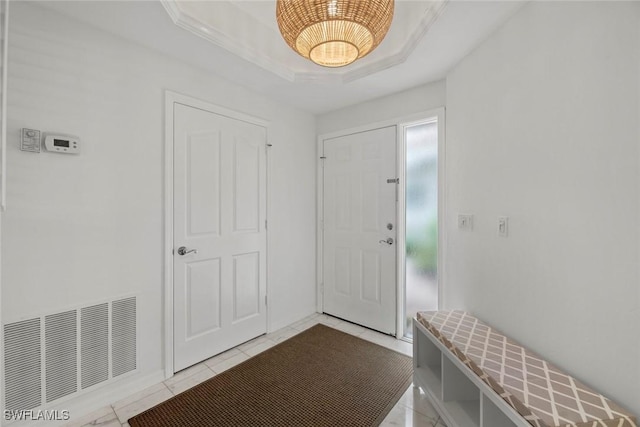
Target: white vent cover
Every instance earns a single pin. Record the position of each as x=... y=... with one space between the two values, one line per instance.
x=22 y=365
x=94 y=327
x=61 y=354
x=123 y=334
x=105 y=334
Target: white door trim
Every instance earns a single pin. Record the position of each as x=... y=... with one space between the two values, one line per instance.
x=400 y=123
x=170 y=98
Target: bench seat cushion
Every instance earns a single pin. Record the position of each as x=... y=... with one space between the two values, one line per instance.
x=537 y=390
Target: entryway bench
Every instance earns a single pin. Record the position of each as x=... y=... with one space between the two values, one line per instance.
x=477 y=377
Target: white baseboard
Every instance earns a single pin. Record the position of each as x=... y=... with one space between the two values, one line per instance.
x=87 y=403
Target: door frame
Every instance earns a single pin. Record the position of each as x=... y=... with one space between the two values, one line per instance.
x=400 y=123
x=170 y=98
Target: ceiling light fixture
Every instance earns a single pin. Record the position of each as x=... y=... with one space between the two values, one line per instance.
x=334 y=33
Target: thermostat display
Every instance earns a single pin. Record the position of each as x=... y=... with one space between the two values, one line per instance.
x=62 y=144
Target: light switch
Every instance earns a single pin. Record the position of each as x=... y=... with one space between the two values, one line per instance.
x=503 y=226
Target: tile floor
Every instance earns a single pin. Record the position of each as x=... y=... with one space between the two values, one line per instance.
x=413 y=409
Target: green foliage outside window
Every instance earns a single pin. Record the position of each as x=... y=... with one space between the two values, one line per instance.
x=422 y=248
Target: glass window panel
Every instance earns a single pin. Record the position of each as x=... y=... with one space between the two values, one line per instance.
x=421 y=278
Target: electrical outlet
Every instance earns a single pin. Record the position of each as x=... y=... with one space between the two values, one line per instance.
x=465 y=222
x=503 y=226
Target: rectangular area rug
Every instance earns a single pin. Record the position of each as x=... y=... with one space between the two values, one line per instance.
x=320 y=377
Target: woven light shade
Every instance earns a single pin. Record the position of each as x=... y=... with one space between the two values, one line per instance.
x=334 y=33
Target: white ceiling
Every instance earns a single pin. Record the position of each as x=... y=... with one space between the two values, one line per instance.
x=249 y=29
x=426 y=39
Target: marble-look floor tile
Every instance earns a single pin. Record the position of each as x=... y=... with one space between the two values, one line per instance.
x=306 y=321
x=254 y=342
x=306 y=325
x=100 y=414
x=107 y=420
x=400 y=346
x=282 y=334
x=329 y=320
x=412 y=410
x=401 y=416
x=416 y=399
x=139 y=395
x=114 y=422
x=350 y=328
x=228 y=363
x=440 y=423
x=221 y=357
x=191 y=381
x=139 y=406
x=186 y=373
x=257 y=349
x=388 y=342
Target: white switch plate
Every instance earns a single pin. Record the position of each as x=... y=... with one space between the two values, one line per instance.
x=503 y=226
x=465 y=222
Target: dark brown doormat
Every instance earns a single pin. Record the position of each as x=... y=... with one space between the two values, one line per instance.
x=320 y=377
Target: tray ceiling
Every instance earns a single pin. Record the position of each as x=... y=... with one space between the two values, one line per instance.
x=249 y=30
x=239 y=42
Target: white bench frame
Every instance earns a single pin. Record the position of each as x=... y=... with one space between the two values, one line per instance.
x=461 y=398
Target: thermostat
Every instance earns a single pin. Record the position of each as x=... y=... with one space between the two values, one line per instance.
x=62 y=144
x=30 y=140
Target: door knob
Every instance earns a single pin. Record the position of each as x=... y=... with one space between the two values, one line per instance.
x=389 y=241
x=182 y=250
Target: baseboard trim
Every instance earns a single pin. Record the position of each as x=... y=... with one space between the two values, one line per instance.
x=83 y=405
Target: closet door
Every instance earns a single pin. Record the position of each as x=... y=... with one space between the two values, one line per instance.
x=219 y=233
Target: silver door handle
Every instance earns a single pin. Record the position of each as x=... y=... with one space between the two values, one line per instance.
x=182 y=250
x=389 y=241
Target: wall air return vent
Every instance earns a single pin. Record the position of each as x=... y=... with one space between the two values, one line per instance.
x=77 y=349
x=123 y=333
x=60 y=331
x=94 y=327
x=23 y=376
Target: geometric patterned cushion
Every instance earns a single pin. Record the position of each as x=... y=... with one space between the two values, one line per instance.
x=537 y=390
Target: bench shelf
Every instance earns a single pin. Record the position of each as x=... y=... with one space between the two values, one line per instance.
x=459 y=396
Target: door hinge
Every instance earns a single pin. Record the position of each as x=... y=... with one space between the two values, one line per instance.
x=394 y=181
x=265 y=300
x=265 y=224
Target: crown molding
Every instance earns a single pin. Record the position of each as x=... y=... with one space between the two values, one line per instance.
x=242 y=47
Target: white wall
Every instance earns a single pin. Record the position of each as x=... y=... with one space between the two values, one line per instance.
x=90 y=227
x=401 y=104
x=543 y=126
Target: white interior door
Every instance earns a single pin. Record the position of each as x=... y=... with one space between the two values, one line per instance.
x=360 y=228
x=220 y=212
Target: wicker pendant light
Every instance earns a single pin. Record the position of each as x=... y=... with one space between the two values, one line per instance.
x=334 y=33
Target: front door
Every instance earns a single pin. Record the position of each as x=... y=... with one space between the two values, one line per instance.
x=360 y=199
x=219 y=233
